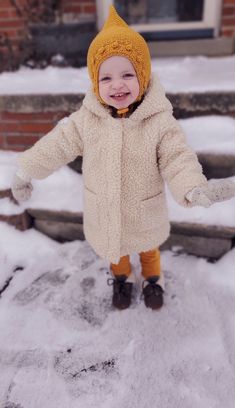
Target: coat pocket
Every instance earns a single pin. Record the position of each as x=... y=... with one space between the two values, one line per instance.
x=153 y=211
x=91 y=213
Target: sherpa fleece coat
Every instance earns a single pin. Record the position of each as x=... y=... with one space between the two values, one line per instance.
x=125 y=164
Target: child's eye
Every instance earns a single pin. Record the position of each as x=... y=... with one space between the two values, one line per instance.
x=129 y=75
x=107 y=78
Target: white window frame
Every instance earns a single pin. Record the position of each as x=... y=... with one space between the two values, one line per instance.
x=211 y=19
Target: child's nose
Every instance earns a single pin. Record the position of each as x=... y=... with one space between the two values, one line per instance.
x=117 y=83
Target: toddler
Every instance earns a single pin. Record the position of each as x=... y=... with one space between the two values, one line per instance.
x=131 y=144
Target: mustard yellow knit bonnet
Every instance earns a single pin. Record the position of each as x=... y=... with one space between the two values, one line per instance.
x=117 y=38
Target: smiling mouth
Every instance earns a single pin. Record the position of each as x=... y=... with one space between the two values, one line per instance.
x=120 y=95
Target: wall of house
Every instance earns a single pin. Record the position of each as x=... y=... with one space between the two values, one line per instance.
x=13 y=28
x=77 y=10
x=19 y=131
x=228 y=18
x=11 y=24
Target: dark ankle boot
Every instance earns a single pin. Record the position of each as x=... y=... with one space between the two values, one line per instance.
x=152 y=293
x=121 y=291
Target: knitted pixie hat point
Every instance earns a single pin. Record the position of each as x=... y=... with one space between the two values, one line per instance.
x=117 y=38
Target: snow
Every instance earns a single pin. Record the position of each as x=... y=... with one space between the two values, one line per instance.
x=210 y=134
x=220 y=214
x=63 y=345
x=62 y=190
x=181 y=74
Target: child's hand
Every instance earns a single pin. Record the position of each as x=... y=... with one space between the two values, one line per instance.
x=21 y=189
x=215 y=191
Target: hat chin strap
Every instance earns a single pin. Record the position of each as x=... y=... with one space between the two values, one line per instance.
x=121 y=111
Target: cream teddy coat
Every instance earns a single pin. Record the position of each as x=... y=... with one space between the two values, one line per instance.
x=125 y=164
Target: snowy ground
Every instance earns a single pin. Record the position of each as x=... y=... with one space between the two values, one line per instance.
x=185 y=74
x=63 y=346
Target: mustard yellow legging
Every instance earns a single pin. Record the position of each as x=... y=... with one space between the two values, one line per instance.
x=150 y=262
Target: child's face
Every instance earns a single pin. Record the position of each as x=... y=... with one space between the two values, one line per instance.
x=118 y=83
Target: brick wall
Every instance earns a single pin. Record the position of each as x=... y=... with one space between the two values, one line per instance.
x=24 y=119
x=228 y=18
x=77 y=10
x=11 y=24
x=18 y=131
x=14 y=22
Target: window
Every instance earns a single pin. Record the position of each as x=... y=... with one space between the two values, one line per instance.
x=167 y=19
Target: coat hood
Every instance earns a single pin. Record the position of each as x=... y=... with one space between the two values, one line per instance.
x=155 y=101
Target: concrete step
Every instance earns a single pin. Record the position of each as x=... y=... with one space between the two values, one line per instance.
x=185 y=104
x=203 y=240
x=210 y=241
x=217 y=165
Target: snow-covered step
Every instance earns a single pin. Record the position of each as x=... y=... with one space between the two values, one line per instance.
x=199 y=104
x=191 y=74
x=185 y=104
x=203 y=240
x=213 y=138
x=199 y=239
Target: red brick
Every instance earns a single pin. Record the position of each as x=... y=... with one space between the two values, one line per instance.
x=229 y=1
x=38 y=116
x=24 y=127
x=2 y=140
x=13 y=14
x=89 y=9
x=227 y=32
x=228 y=21
x=75 y=2
x=16 y=23
x=228 y=11
x=60 y=115
x=72 y=9
x=5 y=3
x=21 y=140
x=36 y=127
x=12 y=34
x=4 y=14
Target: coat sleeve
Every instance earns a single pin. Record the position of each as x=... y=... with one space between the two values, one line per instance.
x=57 y=148
x=177 y=162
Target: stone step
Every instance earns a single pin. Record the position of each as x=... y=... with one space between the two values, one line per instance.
x=188 y=105
x=203 y=240
x=60 y=216
x=59 y=230
x=185 y=104
x=209 y=241
x=217 y=165
x=211 y=248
